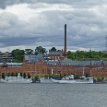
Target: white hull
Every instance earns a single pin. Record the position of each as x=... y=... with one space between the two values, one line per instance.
x=73 y=81
x=15 y=80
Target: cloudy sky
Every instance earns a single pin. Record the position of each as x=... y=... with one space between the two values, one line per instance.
x=30 y=23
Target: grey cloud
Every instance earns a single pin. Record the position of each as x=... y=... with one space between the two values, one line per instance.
x=77 y=3
x=85 y=27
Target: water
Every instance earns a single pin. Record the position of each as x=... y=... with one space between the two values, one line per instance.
x=53 y=95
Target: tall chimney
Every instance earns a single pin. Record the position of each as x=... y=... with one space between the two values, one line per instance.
x=65 y=40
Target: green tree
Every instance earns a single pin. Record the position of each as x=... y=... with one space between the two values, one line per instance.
x=24 y=75
x=3 y=76
x=53 y=49
x=37 y=77
x=28 y=75
x=12 y=74
x=21 y=74
x=18 y=55
x=89 y=55
x=40 y=50
x=8 y=74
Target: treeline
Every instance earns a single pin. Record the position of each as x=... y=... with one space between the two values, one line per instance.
x=18 y=55
x=84 y=55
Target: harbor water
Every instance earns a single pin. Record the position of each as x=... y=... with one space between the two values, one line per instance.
x=53 y=95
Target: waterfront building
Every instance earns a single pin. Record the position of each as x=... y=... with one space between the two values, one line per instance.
x=42 y=66
x=55 y=62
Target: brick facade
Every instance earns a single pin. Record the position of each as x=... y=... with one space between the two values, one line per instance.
x=42 y=68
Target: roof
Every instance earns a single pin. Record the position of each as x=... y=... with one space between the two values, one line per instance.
x=68 y=62
x=65 y=62
x=33 y=58
x=11 y=64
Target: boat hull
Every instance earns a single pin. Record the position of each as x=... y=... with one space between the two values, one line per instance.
x=73 y=81
x=15 y=80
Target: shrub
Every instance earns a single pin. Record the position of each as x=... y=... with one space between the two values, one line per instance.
x=8 y=74
x=46 y=76
x=28 y=75
x=12 y=74
x=99 y=79
x=3 y=76
x=24 y=75
x=37 y=78
x=76 y=76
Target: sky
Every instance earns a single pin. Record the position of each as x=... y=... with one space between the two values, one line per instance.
x=27 y=24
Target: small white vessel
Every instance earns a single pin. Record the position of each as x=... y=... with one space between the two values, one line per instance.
x=68 y=79
x=14 y=79
x=85 y=80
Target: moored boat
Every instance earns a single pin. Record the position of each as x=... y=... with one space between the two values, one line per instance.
x=14 y=79
x=85 y=80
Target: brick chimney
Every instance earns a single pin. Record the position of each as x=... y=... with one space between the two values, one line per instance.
x=65 y=41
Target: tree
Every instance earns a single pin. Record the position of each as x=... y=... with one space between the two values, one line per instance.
x=90 y=55
x=53 y=49
x=18 y=55
x=24 y=75
x=28 y=75
x=40 y=50
x=8 y=74
x=3 y=76
x=21 y=74
x=12 y=74
x=28 y=51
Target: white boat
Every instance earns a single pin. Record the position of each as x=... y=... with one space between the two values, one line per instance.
x=70 y=79
x=73 y=81
x=14 y=79
x=86 y=80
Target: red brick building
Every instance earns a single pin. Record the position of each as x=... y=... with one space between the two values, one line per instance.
x=64 y=67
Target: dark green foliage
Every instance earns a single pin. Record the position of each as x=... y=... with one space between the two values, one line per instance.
x=40 y=50
x=78 y=55
x=16 y=74
x=90 y=55
x=100 y=79
x=24 y=75
x=87 y=75
x=18 y=55
x=28 y=75
x=8 y=74
x=46 y=76
x=37 y=78
x=76 y=76
x=53 y=49
x=21 y=74
x=12 y=74
x=3 y=76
